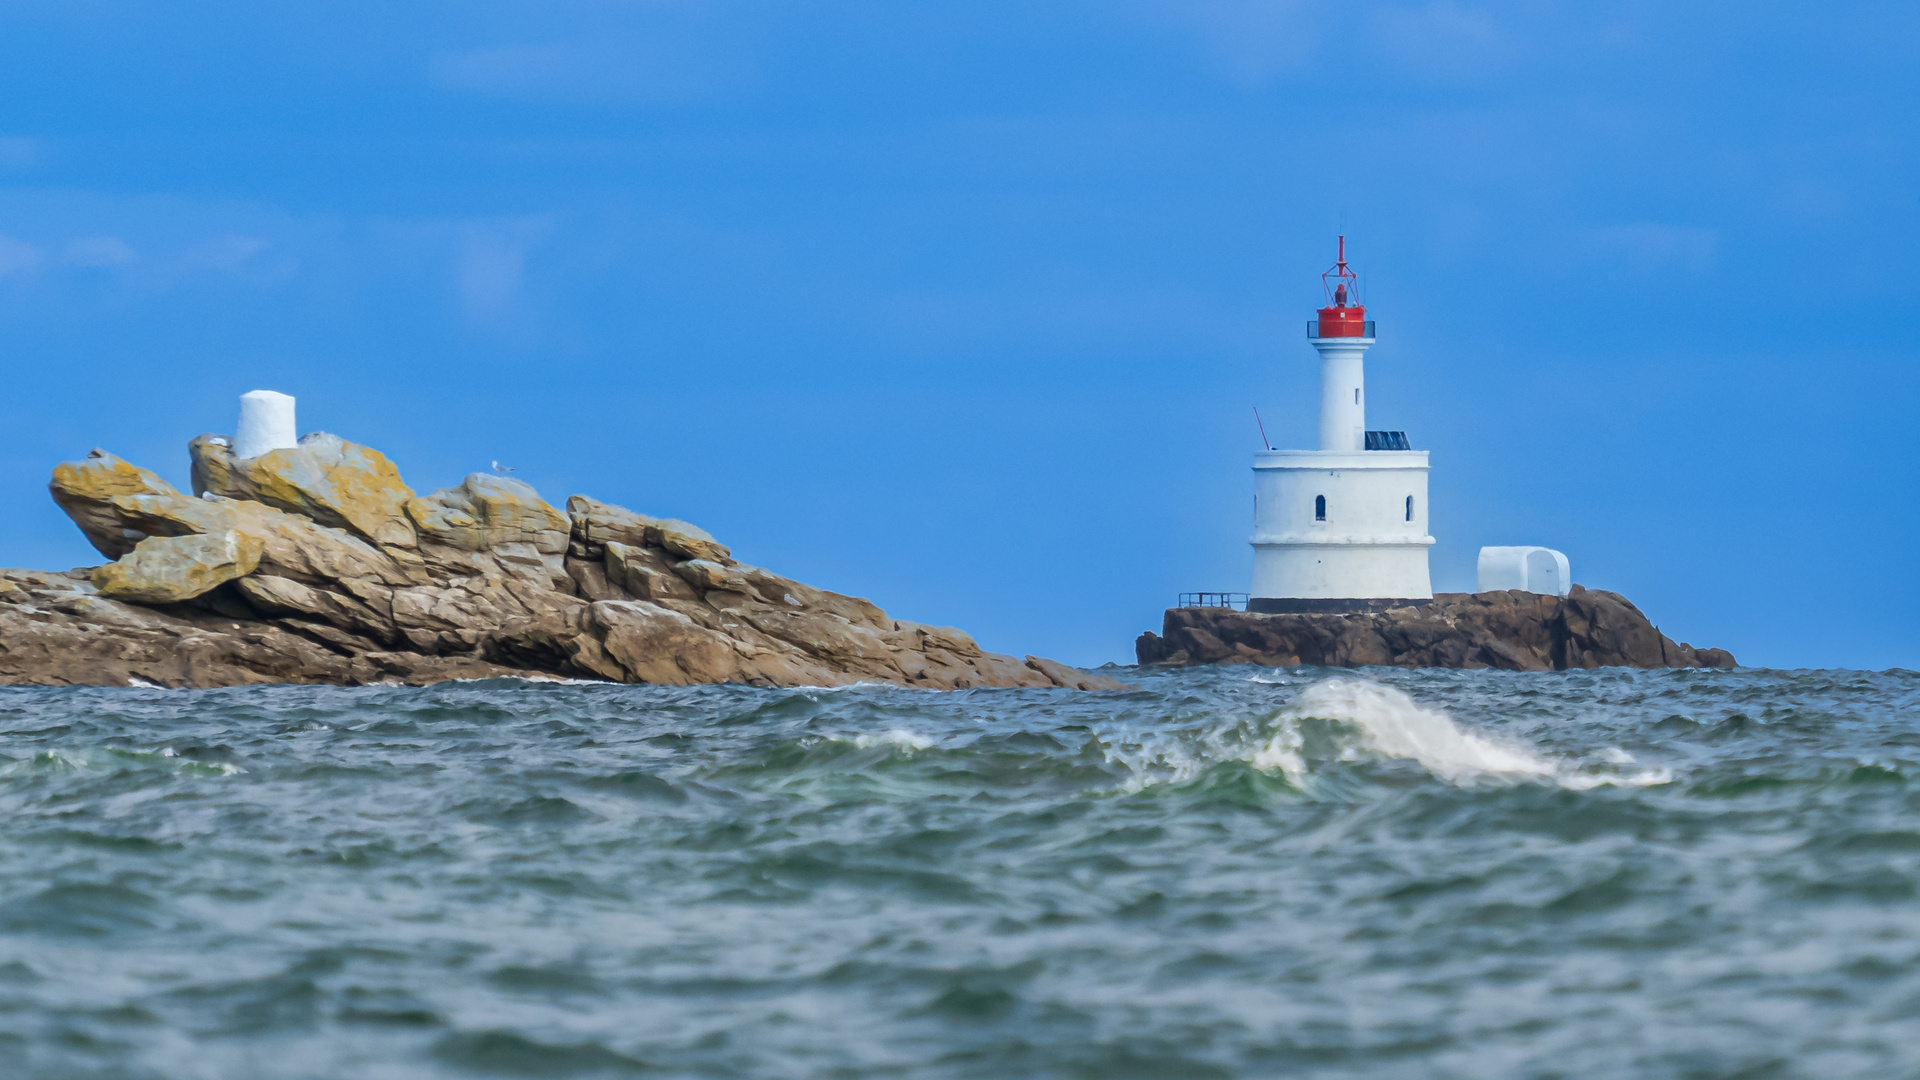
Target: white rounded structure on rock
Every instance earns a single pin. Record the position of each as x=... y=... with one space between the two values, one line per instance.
x=266 y=423
x=1529 y=569
x=1344 y=527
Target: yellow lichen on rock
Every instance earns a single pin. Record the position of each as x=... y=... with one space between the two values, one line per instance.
x=292 y=541
x=595 y=522
x=687 y=541
x=211 y=458
x=484 y=578
x=485 y=512
x=327 y=478
x=81 y=487
x=169 y=569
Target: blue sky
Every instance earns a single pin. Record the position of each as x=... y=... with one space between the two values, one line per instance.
x=965 y=307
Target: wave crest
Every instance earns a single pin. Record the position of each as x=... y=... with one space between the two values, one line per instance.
x=1346 y=720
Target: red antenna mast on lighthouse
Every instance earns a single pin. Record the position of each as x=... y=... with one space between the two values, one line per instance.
x=1344 y=315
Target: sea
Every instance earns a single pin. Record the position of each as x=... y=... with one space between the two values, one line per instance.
x=1222 y=872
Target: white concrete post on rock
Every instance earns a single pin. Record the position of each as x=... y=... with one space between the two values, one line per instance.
x=266 y=423
x=1344 y=527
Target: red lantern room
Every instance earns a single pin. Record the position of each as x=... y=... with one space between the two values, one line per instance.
x=1344 y=315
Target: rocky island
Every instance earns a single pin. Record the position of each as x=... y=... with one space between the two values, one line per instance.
x=316 y=563
x=1510 y=630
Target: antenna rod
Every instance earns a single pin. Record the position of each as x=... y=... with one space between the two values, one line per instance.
x=1263 y=427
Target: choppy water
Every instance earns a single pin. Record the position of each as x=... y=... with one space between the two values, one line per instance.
x=1228 y=872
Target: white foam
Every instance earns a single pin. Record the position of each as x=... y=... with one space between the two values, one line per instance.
x=1392 y=724
x=905 y=740
x=88 y=759
x=1283 y=752
x=1588 y=781
x=1366 y=720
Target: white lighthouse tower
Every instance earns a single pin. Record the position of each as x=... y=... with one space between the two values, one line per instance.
x=1344 y=527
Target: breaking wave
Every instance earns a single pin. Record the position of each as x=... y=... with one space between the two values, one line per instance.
x=1390 y=723
x=1341 y=721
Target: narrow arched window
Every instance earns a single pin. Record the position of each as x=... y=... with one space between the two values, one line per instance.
x=1319 y=508
x=1409 y=508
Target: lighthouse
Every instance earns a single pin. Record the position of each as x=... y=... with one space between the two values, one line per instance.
x=1344 y=527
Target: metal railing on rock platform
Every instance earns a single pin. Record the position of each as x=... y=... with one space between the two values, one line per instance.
x=1235 y=600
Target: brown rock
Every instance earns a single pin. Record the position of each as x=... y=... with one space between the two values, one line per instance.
x=593 y=579
x=82 y=488
x=658 y=645
x=489 y=512
x=61 y=632
x=687 y=541
x=169 y=569
x=704 y=574
x=212 y=466
x=626 y=568
x=290 y=568
x=278 y=596
x=1071 y=678
x=646 y=574
x=292 y=544
x=326 y=478
x=1513 y=631
x=595 y=522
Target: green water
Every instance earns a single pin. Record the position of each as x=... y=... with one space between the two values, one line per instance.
x=1228 y=872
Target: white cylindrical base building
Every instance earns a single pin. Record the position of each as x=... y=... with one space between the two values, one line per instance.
x=1339 y=531
x=266 y=423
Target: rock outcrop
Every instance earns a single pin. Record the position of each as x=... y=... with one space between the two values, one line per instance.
x=1512 y=631
x=169 y=569
x=318 y=564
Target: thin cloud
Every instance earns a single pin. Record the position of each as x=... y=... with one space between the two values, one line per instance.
x=18 y=153
x=98 y=251
x=633 y=71
x=1443 y=41
x=18 y=256
x=1257 y=42
x=490 y=264
x=1253 y=41
x=1654 y=245
x=222 y=253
